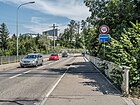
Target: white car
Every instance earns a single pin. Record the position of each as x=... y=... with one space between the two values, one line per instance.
x=32 y=60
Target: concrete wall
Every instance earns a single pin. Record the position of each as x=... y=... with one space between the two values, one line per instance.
x=110 y=66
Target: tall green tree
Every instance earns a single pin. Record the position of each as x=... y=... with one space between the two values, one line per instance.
x=117 y=14
x=124 y=46
x=71 y=37
x=44 y=44
x=4 y=35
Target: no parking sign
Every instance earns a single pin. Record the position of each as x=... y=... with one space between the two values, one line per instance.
x=104 y=29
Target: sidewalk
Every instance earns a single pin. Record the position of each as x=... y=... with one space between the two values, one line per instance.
x=136 y=101
x=9 y=66
x=84 y=85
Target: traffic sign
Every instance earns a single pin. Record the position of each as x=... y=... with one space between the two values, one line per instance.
x=104 y=29
x=104 y=38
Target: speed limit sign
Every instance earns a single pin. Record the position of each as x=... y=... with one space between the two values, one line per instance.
x=104 y=29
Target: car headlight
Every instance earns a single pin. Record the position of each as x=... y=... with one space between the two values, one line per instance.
x=33 y=61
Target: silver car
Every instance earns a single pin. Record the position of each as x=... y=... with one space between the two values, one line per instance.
x=32 y=60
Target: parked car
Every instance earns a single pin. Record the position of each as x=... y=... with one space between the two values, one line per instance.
x=64 y=54
x=32 y=60
x=54 y=57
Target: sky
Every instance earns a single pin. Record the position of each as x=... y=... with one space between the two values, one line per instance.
x=41 y=15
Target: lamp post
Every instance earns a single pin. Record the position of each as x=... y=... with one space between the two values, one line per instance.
x=17 y=22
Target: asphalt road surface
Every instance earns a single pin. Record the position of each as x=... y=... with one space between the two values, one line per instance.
x=68 y=81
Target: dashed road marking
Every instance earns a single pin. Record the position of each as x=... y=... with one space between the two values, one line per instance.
x=15 y=76
x=44 y=65
x=20 y=74
x=27 y=72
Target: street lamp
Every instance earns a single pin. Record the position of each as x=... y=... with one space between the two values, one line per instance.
x=17 y=22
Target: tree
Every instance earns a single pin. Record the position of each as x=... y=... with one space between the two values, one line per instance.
x=115 y=13
x=44 y=44
x=131 y=44
x=91 y=40
x=71 y=37
x=124 y=47
x=72 y=30
x=4 y=35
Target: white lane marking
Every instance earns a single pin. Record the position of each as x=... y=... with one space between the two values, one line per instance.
x=20 y=74
x=44 y=65
x=15 y=76
x=27 y=72
x=52 y=89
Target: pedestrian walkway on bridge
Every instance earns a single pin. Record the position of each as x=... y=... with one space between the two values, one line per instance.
x=83 y=84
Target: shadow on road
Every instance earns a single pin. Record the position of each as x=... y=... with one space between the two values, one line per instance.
x=95 y=79
x=20 y=102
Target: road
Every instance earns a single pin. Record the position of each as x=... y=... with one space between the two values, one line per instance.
x=68 y=81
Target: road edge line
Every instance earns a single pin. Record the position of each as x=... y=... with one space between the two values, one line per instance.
x=52 y=89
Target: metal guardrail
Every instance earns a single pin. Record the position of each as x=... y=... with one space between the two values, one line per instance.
x=13 y=59
x=10 y=59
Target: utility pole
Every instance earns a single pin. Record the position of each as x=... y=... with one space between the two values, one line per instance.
x=54 y=27
x=78 y=32
x=78 y=27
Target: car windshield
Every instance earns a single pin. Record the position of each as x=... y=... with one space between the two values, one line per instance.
x=31 y=56
x=54 y=54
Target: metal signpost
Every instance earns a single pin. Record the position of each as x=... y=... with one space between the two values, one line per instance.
x=104 y=37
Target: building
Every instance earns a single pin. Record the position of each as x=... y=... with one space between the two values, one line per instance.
x=51 y=33
x=30 y=34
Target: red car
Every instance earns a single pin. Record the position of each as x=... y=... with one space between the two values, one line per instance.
x=54 y=57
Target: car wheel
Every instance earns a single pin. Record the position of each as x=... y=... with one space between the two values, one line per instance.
x=36 y=64
x=22 y=66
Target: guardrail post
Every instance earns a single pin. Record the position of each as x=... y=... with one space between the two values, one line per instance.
x=125 y=84
x=9 y=60
x=0 y=60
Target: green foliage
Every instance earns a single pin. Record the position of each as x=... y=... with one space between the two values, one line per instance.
x=27 y=43
x=91 y=40
x=71 y=38
x=103 y=67
x=116 y=76
x=124 y=46
x=4 y=35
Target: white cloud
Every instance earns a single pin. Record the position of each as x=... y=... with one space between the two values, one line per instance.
x=72 y=9
x=38 y=26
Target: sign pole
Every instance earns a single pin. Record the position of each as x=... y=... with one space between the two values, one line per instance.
x=104 y=49
x=104 y=37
